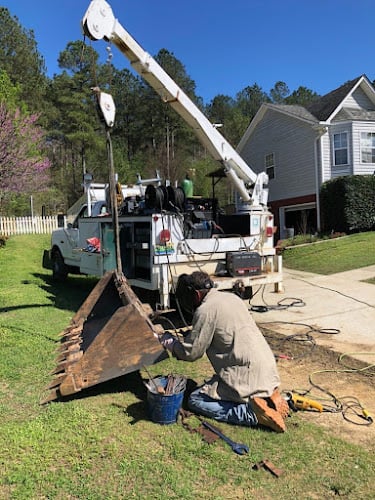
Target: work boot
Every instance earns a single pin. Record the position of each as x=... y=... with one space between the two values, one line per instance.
x=279 y=403
x=266 y=416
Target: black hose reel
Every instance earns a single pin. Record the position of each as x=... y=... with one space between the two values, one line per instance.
x=164 y=198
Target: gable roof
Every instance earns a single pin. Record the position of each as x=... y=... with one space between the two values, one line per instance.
x=293 y=110
x=322 y=109
x=325 y=106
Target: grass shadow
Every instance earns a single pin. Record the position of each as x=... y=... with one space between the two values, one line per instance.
x=131 y=382
x=68 y=295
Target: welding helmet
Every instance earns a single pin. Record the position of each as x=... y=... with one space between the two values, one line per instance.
x=191 y=289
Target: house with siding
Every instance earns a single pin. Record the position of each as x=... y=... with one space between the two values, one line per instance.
x=302 y=147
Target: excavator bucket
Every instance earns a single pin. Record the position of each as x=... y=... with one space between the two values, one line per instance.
x=109 y=336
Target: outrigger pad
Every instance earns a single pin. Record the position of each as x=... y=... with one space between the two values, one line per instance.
x=109 y=336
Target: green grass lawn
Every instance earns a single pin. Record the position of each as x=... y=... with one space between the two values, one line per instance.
x=101 y=444
x=333 y=256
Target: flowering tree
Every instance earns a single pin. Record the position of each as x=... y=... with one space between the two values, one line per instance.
x=23 y=167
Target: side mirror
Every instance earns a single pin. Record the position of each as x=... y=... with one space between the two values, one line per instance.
x=60 y=220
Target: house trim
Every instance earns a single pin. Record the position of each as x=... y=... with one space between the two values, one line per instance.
x=367 y=88
x=279 y=207
x=335 y=149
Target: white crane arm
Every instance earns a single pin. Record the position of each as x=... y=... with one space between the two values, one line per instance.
x=100 y=23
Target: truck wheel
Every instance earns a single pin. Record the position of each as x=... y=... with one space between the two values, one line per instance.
x=59 y=268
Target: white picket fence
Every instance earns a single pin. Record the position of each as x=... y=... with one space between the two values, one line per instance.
x=10 y=226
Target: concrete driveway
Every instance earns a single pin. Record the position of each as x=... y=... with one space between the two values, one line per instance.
x=342 y=302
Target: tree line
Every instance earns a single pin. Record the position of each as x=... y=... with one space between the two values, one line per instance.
x=51 y=133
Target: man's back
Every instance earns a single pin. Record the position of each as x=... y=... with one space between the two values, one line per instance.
x=238 y=352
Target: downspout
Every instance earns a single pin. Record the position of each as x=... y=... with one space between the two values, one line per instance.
x=322 y=129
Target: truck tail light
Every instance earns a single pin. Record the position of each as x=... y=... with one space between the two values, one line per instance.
x=164 y=236
x=269 y=231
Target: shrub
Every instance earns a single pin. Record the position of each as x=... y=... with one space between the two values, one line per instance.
x=3 y=239
x=348 y=204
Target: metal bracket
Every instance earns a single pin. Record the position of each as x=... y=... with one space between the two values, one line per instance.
x=268 y=466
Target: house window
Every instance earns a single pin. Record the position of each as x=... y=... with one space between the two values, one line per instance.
x=340 y=145
x=269 y=163
x=368 y=147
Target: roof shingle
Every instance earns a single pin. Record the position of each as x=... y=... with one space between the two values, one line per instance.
x=323 y=107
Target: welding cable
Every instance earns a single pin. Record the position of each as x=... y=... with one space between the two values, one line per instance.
x=346 y=404
x=328 y=331
x=336 y=401
x=350 y=407
x=354 y=412
x=180 y=219
x=306 y=337
x=161 y=318
x=333 y=290
x=257 y=291
x=368 y=370
x=209 y=254
x=181 y=314
x=282 y=304
x=193 y=252
x=354 y=406
x=287 y=353
x=302 y=338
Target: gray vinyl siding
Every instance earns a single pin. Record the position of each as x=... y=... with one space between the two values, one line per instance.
x=293 y=143
x=302 y=161
x=358 y=100
x=359 y=167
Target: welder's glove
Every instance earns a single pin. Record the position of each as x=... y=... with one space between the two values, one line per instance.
x=167 y=340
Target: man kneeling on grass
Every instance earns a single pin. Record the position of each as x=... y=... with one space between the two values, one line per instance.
x=244 y=389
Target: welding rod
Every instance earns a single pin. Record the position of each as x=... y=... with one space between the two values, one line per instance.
x=159 y=388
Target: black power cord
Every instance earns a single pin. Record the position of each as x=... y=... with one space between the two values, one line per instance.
x=282 y=304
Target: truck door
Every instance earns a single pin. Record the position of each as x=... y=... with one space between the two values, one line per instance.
x=72 y=238
x=91 y=258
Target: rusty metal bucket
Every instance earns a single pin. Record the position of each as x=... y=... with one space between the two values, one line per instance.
x=110 y=335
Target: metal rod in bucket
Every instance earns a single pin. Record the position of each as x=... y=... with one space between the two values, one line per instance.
x=164 y=408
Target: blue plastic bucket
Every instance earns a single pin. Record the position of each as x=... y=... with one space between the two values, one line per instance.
x=164 y=408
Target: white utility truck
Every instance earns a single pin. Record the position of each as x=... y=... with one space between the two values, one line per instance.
x=162 y=233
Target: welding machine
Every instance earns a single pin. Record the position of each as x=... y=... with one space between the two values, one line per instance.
x=243 y=263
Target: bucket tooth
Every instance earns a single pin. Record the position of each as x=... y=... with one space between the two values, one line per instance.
x=75 y=332
x=71 y=336
x=62 y=357
x=52 y=396
x=76 y=322
x=56 y=381
x=72 y=345
x=67 y=362
x=110 y=335
x=67 y=350
x=59 y=368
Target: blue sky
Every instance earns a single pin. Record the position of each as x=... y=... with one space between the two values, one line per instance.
x=226 y=45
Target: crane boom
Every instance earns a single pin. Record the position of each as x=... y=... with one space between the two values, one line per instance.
x=99 y=23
